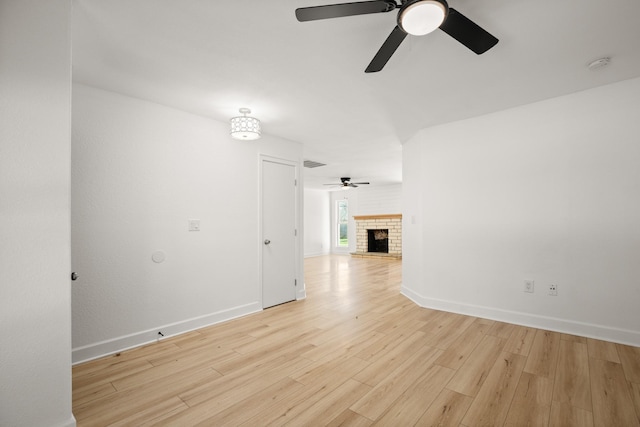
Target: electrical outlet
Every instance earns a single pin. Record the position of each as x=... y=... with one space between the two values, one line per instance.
x=553 y=290
x=528 y=286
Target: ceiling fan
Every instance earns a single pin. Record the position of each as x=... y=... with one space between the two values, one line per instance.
x=416 y=17
x=346 y=182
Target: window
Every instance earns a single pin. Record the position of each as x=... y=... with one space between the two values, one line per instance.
x=343 y=223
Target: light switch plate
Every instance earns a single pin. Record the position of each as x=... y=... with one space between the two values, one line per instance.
x=528 y=286
x=194 y=225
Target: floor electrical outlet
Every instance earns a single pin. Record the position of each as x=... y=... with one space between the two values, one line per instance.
x=553 y=290
x=528 y=286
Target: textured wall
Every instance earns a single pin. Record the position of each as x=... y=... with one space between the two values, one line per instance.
x=374 y=200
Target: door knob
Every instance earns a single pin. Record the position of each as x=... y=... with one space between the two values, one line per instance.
x=74 y=276
x=267 y=241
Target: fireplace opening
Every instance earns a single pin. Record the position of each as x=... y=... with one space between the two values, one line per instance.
x=378 y=241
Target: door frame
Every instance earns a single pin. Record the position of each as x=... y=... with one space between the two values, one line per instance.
x=298 y=239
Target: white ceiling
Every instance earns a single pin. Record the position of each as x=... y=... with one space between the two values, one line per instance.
x=306 y=81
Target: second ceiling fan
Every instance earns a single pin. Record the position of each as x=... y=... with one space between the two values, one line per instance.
x=416 y=17
x=345 y=182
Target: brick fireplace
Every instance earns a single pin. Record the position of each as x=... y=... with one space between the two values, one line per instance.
x=378 y=236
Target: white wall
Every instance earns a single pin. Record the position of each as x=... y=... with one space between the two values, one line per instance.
x=374 y=200
x=548 y=192
x=35 y=306
x=316 y=223
x=363 y=200
x=140 y=172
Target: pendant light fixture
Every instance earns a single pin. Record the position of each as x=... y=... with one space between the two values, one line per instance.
x=244 y=127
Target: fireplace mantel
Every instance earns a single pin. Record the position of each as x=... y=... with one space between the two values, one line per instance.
x=383 y=216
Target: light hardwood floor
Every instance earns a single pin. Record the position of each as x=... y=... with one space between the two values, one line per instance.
x=357 y=353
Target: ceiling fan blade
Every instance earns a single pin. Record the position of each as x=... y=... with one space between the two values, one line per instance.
x=361 y=183
x=344 y=9
x=352 y=185
x=467 y=32
x=386 y=50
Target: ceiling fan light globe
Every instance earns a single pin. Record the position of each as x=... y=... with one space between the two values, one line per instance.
x=422 y=16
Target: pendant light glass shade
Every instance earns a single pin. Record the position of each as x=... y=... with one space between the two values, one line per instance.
x=245 y=127
x=422 y=16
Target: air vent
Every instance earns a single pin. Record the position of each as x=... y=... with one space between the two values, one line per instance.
x=311 y=164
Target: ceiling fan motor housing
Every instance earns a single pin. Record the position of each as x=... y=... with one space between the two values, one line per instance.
x=420 y=17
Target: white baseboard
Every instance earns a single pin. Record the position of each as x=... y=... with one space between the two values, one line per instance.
x=313 y=254
x=589 y=330
x=105 y=348
x=301 y=293
x=71 y=422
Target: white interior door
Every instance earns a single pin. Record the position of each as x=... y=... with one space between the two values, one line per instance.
x=278 y=233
